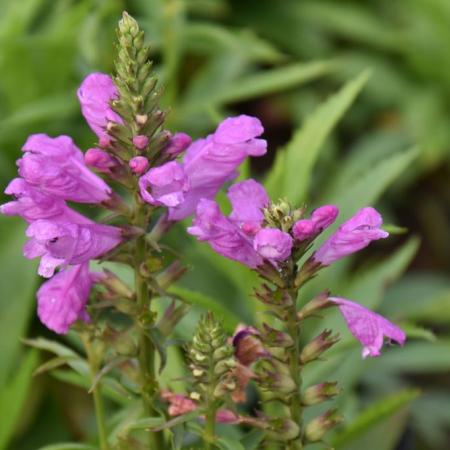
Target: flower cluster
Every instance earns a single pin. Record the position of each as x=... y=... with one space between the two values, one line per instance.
x=53 y=172
x=257 y=233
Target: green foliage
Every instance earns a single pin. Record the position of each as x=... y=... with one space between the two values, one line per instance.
x=277 y=60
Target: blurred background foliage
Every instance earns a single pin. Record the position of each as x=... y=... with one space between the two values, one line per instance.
x=336 y=133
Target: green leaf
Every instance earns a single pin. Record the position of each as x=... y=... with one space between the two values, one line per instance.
x=69 y=446
x=74 y=360
x=366 y=188
x=229 y=444
x=293 y=168
x=252 y=440
x=178 y=420
x=414 y=331
x=369 y=419
x=16 y=299
x=265 y=83
x=13 y=396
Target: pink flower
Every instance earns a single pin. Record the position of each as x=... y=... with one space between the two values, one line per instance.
x=321 y=218
x=209 y=163
x=178 y=404
x=248 y=199
x=56 y=166
x=140 y=141
x=273 y=244
x=368 y=327
x=32 y=204
x=100 y=160
x=60 y=243
x=95 y=93
x=178 y=143
x=351 y=236
x=138 y=164
x=165 y=185
x=62 y=299
x=223 y=235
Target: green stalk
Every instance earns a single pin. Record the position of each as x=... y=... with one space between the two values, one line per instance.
x=146 y=347
x=211 y=411
x=295 y=406
x=98 y=401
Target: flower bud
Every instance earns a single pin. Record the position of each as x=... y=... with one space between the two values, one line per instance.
x=100 y=160
x=115 y=285
x=224 y=366
x=317 y=346
x=141 y=119
x=317 y=428
x=275 y=338
x=248 y=346
x=178 y=143
x=138 y=164
x=318 y=303
x=140 y=141
x=320 y=393
x=271 y=377
x=172 y=315
x=282 y=430
x=171 y=274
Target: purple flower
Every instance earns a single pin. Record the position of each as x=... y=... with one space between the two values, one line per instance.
x=368 y=327
x=140 y=141
x=56 y=166
x=248 y=199
x=351 y=236
x=321 y=218
x=62 y=299
x=60 y=243
x=209 y=163
x=138 y=164
x=94 y=94
x=223 y=235
x=165 y=185
x=178 y=143
x=32 y=204
x=273 y=244
x=100 y=160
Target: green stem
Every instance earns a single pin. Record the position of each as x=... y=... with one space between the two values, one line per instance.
x=210 y=428
x=98 y=401
x=295 y=405
x=146 y=347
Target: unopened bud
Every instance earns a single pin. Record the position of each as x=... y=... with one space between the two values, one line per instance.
x=140 y=141
x=320 y=393
x=271 y=377
x=317 y=346
x=115 y=285
x=316 y=429
x=141 y=119
x=318 y=303
x=138 y=164
x=100 y=160
x=224 y=366
x=195 y=396
x=178 y=143
x=248 y=346
x=282 y=430
x=275 y=338
x=171 y=274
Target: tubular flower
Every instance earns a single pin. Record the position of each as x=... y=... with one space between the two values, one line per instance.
x=68 y=243
x=351 y=236
x=273 y=244
x=209 y=163
x=95 y=94
x=223 y=235
x=321 y=218
x=56 y=166
x=368 y=327
x=62 y=299
x=165 y=185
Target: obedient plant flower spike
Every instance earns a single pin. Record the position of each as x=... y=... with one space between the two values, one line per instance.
x=138 y=106
x=211 y=364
